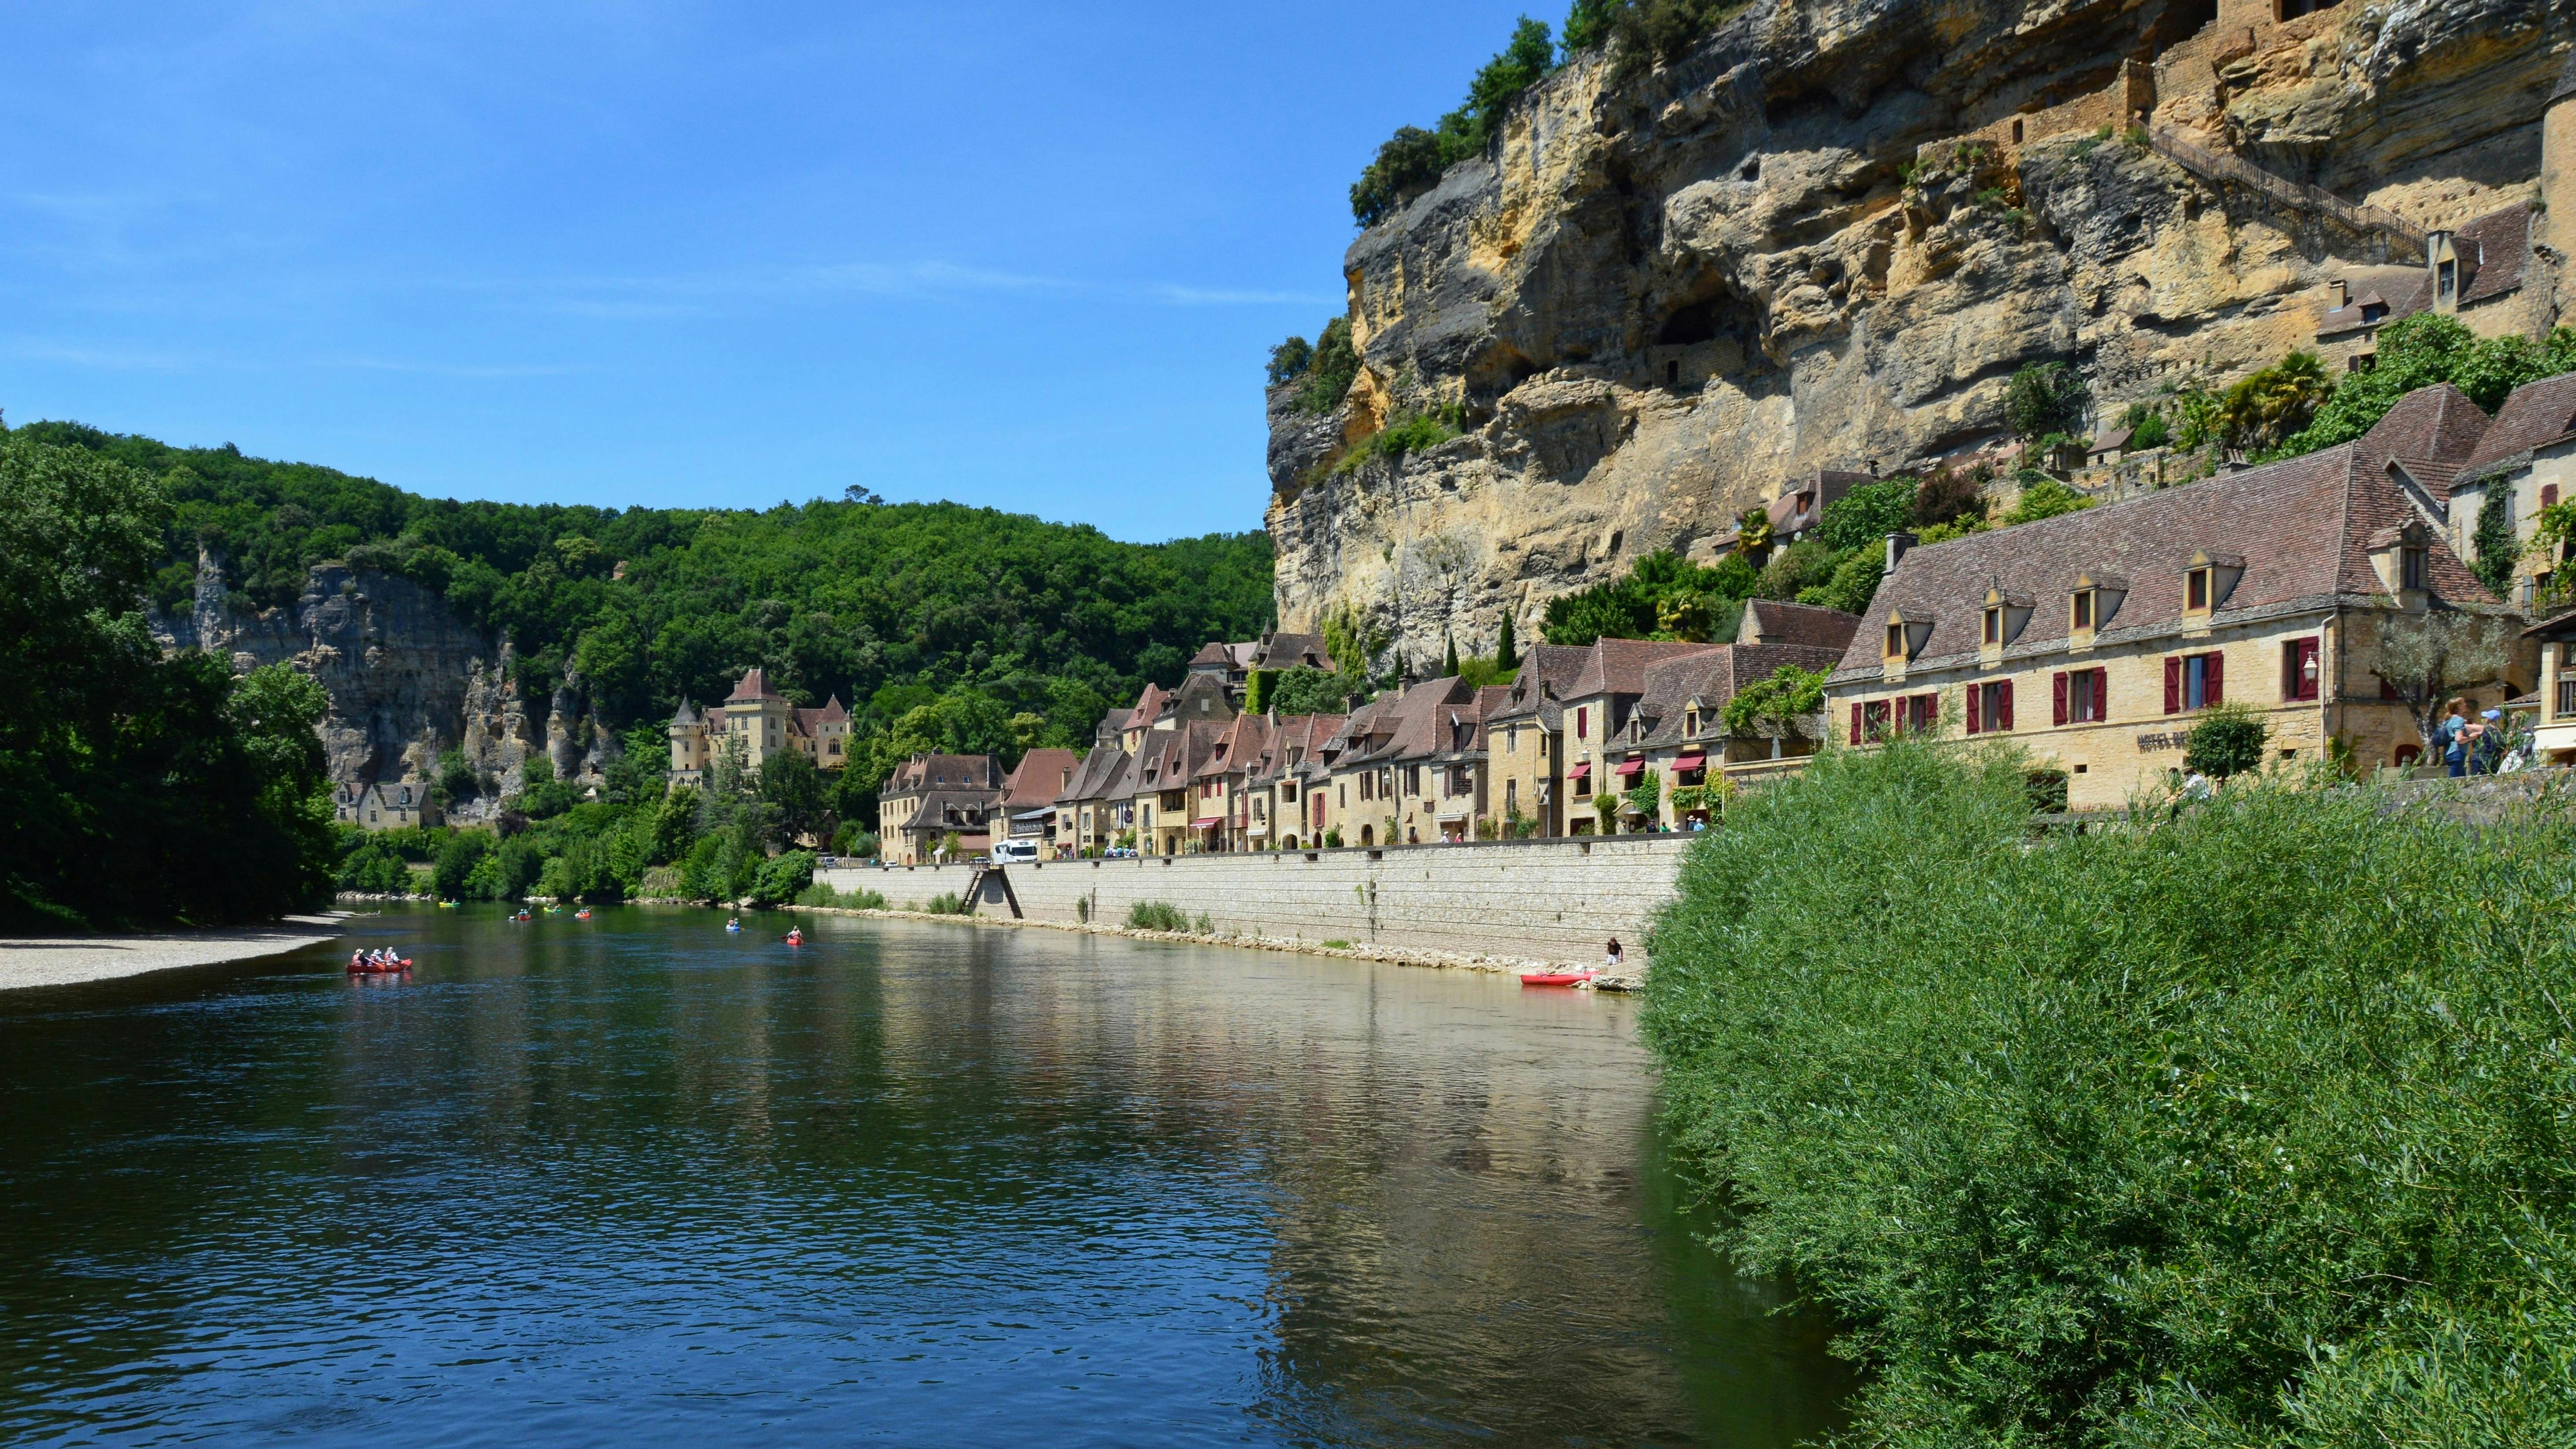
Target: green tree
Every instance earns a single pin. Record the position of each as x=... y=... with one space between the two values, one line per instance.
x=1773 y=706
x=2423 y=350
x=793 y=790
x=2265 y=408
x=2044 y=497
x=2228 y=741
x=2045 y=398
x=1289 y=360
x=1646 y=797
x=1507 y=652
x=1311 y=691
x=1412 y=160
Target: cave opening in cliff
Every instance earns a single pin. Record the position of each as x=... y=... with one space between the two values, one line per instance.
x=1687 y=325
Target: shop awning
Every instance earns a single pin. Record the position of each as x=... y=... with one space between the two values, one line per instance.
x=1207 y=822
x=1580 y=771
x=1691 y=762
x=1628 y=768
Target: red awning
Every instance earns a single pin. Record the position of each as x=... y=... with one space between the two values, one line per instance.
x=1691 y=762
x=1207 y=822
x=1579 y=771
x=1630 y=767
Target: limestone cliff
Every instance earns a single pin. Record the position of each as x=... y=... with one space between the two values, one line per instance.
x=408 y=680
x=1827 y=237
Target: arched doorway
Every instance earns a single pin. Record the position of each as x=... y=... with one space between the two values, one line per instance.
x=2407 y=755
x=1366 y=836
x=1287 y=842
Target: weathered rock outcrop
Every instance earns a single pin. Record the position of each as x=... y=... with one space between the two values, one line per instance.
x=408 y=680
x=1817 y=242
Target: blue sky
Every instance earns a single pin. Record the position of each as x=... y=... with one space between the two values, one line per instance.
x=696 y=254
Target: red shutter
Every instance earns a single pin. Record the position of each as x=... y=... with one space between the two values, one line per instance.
x=1855 y=722
x=2003 y=705
x=2101 y=694
x=2057 y=687
x=1974 y=723
x=2548 y=495
x=2173 y=684
x=2216 y=692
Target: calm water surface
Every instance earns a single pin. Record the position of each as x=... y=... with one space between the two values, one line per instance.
x=636 y=1181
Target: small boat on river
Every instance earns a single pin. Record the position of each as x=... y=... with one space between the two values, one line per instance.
x=795 y=936
x=523 y=916
x=1556 y=978
x=582 y=915
x=367 y=965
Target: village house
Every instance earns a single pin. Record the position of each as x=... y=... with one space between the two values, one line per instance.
x=397 y=805
x=1525 y=743
x=1597 y=706
x=1097 y=806
x=1379 y=792
x=1289 y=786
x=759 y=722
x=2525 y=462
x=1219 y=806
x=2094 y=638
x=1677 y=729
x=1029 y=794
x=1165 y=779
x=931 y=797
x=2554 y=727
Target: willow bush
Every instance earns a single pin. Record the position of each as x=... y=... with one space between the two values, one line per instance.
x=2246 y=1126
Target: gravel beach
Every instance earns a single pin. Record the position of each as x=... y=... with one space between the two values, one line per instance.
x=69 y=960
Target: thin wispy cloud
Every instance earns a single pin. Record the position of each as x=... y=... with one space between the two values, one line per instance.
x=646 y=298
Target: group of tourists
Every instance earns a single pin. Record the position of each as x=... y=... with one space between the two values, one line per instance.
x=2473 y=741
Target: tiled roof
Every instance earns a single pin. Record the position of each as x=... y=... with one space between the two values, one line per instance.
x=2491 y=249
x=1555 y=666
x=1713 y=679
x=1212 y=652
x=1097 y=776
x=930 y=817
x=2536 y=415
x=753 y=685
x=1238 y=746
x=809 y=722
x=943 y=772
x=1038 y=779
x=1618 y=666
x=2301 y=526
x=1413 y=724
x=1773 y=621
x=688 y=714
x=1290 y=651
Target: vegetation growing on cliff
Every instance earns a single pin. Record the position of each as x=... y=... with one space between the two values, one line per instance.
x=2162 y=1137
x=136 y=787
x=1412 y=160
x=2420 y=351
x=985 y=619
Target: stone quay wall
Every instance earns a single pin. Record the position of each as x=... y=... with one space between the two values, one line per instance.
x=1546 y=901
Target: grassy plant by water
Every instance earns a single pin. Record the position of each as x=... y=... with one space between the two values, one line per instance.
x=2251 y=1126
x=1156 y=916
x=856 y=899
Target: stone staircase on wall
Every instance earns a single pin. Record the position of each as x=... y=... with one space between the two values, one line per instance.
x=2221 y=169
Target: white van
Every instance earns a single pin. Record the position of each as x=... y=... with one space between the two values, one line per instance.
x=1007 y=851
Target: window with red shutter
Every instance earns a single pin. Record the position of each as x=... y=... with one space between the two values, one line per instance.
x=1976 y=716
x=2101 y=694
x=2216 y=690
x=1855 y=724
x=2003 y=705
x=2173 y=684
x=2057 y=689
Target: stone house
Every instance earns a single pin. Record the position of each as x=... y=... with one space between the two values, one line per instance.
x=1597 y=706
x=1525 y=754
x=930 y=796
x=2554 y=728
x=1678 y=727
x=1372 y=802
x=2525 y=462
x=1029 y=794
x=1290 y=784
x=1097 y=805
x=397 y=805
x=1164 y=782
x=2092 y=639
x=1220 y=808
x=760 y=722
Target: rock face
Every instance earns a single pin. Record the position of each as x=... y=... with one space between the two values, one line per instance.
x=408 y=681
x=1818 y=241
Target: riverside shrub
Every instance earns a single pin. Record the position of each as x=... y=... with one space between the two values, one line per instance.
x=2250 y=1126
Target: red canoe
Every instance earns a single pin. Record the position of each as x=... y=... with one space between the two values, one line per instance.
x=365 y=969
x=1556 y=978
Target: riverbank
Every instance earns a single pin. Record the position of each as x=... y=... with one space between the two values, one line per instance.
x=31 y=961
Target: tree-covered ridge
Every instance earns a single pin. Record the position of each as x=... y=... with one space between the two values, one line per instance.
x=889 y=606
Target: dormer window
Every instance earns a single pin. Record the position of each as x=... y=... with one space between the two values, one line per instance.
x=2085 y=604
x=1895 y=641
x=1906 y=636
x=1994 y=626
x=2005 y=618
x=2411 y=567
x=2208 y=579
x=2195 y=594
x=1690 y=723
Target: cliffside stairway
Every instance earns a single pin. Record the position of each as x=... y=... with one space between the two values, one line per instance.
x=2220 y=169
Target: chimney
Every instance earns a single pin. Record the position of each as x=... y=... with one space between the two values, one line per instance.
x=2342 y=293
x=1897 y=545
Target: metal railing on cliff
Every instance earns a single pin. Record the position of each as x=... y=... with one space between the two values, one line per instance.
x=2218 y=167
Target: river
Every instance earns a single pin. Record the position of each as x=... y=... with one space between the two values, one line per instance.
x=637 y=1181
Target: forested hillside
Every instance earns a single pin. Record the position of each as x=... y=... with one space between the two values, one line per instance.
x=1007 y=630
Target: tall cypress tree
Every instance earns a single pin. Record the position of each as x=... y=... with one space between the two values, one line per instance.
x=1449 y=664
x=1507 y=654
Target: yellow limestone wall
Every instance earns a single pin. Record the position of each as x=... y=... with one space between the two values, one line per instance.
x=1539 y=900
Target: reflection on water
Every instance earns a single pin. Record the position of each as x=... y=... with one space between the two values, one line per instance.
x=635 y=1180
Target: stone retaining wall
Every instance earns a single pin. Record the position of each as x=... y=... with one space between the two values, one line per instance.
x=1534 y=901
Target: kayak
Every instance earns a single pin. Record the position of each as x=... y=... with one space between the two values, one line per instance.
x=523 y=916
x=581 y=915
x=794 y=938
x=1556 y=978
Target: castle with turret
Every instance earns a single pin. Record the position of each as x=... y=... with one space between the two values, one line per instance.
x=761 y=722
